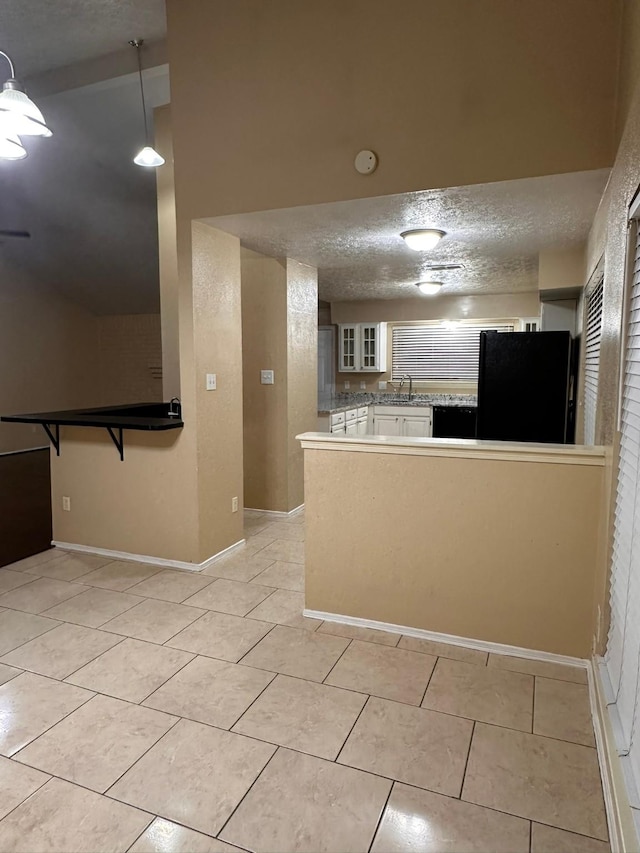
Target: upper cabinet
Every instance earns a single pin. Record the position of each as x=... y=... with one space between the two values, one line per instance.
x=363 y=348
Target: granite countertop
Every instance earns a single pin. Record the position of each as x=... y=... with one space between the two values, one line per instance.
x=343 y=402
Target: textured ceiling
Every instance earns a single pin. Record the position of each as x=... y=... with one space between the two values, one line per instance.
x=43 y=34
x=495 y=230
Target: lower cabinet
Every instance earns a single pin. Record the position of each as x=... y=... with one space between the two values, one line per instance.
x=411 y=422
x=387 y=425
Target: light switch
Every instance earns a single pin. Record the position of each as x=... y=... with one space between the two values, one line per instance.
x=211 y=381
x=266 y=377
x=382 y=386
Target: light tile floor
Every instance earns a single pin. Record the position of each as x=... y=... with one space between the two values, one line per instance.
x=151 y=710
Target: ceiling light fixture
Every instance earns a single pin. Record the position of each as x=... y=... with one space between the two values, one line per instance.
x=422 y=239
x=148 y=156
x=19 y=116
x=429 y=288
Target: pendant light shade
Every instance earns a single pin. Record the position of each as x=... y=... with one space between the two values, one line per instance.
x=18 y=113
x=11 y=148
x=148 y=157
x=19 y=117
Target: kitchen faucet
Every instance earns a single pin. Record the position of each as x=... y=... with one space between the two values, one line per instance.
x=402 y=378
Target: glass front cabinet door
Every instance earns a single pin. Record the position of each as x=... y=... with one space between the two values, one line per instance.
x=363 y=348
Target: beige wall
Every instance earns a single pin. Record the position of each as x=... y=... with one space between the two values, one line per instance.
x=56 y=355
x=216 y=415
x=264 y=335
x=300 y=88
x=167 y=252
x=279 y=301
x=171 y=497
x=138 y=506
x=130 y=358
x=302 y=376
x=561 y=268
x=487 y=549
x=50 y=358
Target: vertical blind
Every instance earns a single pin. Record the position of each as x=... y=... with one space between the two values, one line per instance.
x=434 y=351
x=622 y=658
x=593 y=334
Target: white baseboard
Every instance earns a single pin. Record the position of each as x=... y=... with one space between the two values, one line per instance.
x=275 y=514
x=145 y=558
x=451 y=639
x=622 y=833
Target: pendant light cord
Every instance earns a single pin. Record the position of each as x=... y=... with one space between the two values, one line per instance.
x=137 y=43
x=8 y=58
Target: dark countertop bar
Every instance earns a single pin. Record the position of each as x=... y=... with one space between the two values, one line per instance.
x=139 y=416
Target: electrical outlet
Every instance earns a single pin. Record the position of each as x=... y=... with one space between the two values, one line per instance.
x=66 y=503
x=234 y=504
x=363 y=386
x=267 y=377
x=211 y=381
x=347 y=385
x=382 y=385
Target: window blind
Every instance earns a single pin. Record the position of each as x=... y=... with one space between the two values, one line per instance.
x=622 y=658
x=592 y=337
x=436 y=352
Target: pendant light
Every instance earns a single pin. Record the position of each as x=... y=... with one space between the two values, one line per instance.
x=19 y=116
x=148 y=156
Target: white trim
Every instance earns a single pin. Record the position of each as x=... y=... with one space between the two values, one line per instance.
x=145 y=558
x=503 y=451
x=622 y=835
x=275 y=514
x=451 y=639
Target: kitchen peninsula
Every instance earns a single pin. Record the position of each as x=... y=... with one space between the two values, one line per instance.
x=494 y=542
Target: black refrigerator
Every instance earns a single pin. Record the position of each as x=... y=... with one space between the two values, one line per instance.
x=524 y=386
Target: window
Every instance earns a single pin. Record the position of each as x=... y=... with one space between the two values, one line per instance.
x=622 y=659
x=441 y=351
x=593 y=334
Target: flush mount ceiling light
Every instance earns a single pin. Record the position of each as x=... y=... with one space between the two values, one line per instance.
x=148 y=156
x=19 y=116
x=429 y=288
x=422 y=239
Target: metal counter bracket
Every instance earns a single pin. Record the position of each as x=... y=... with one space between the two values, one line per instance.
x=55 y=440
x=119 y=442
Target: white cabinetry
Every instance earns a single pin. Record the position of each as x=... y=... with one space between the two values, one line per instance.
x=363 y=348
x=349 y=422
x=413 y=422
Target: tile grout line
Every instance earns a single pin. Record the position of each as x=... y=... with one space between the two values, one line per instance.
x=337 y=661
x=28 y=797
x=33 y=740
x=246 y=794
x=466 y=763
x=431 y=674
x=381 y=817
x=336 y=760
